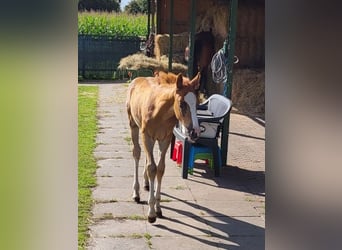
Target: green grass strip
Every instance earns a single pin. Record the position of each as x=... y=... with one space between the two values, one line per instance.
x=87 y=130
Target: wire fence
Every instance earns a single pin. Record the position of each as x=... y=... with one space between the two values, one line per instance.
x=99 y=56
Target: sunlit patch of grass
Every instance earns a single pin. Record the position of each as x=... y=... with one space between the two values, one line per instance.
x=136 y=217
x=165 y=200
x=133 y=236
x=128 y=139
x=106 y=201
x=179 y=187
x=148 y=238
x=87 y=129
x=106 y=216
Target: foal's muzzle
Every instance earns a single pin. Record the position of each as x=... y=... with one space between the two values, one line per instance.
x=193 y=135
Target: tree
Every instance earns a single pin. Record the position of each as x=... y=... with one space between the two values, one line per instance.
x=137 y=6
x=102 y=5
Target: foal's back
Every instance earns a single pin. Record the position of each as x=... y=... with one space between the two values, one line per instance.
x=150 y=106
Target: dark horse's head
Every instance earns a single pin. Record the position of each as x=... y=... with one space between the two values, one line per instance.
x=203 y=53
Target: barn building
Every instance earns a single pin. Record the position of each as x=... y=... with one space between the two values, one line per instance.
x=248 y=94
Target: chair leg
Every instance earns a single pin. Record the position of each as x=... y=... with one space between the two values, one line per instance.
x=172 y=146
x=217 y=162
x=185 y=154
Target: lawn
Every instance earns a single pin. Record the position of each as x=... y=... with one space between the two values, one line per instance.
x=87 y=129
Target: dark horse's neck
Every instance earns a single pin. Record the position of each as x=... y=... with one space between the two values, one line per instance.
x=203 y=53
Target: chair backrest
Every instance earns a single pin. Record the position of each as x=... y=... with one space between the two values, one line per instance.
x=219 y=105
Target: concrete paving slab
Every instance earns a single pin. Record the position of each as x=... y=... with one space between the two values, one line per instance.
x=101 y=155
x=177 y=209
x=176 y=192
x=227 y=208
x=196 y=178
x=216 y=194
x=190 y=242
x=109 y=194
x=173 y=182
x=118 y=228
x=112 y=148
x=111 y=163
x=116 y=170
x=201 y=212
x=136 y=242
x=236 y=226
x=114 y=182
x=242 y=243
x=118 y=209
x=171 y=169
x=103 y=138
x=186 y=227
x=213 y=192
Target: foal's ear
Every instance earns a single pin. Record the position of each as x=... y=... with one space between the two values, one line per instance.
x=195 y=82
x=179 y=81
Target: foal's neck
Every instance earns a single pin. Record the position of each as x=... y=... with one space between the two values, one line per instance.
x=165 y=104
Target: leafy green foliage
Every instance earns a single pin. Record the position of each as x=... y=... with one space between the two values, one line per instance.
x=116 y=24
x=87 y=129
x=136 y=6
x=102 y=5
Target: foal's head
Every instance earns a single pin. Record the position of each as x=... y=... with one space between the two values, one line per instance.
x=185 y=104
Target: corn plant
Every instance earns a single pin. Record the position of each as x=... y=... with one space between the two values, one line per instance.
x=113 y=24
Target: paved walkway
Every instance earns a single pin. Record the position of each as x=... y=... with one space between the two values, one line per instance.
x=202 y=212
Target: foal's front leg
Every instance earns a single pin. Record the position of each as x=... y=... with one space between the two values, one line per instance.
x=163 y=146
x=151 y=169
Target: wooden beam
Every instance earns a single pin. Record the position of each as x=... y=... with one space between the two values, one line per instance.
x=171 y=36
x=192 y=39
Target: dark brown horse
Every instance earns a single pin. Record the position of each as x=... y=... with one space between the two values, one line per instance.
x=203 y=53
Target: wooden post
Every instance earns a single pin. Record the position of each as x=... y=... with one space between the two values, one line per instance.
x=171 y=35
x=148 y=18
x=228 y=85
x=192 y=39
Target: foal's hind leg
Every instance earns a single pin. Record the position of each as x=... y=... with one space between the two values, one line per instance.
x=146 y=182
x=136 y=156
x=151 y=169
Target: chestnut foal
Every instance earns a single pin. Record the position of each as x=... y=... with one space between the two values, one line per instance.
x=155 y=105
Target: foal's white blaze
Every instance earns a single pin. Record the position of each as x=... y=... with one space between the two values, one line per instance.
x=190 y=99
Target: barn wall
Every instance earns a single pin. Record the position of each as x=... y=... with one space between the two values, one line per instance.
x=181 y=16
x=214 y=14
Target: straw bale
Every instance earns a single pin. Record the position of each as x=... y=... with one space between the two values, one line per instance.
x=180 y=42
x=248 y=92
x=140 y=61
x=212 y=15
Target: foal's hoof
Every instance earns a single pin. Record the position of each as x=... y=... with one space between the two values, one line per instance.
x=137 y=199
x=159 y=214
x=151 y=219
x=147 y=188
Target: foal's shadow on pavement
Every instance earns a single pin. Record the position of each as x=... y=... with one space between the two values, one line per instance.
x=240 y=234
x=224 y=227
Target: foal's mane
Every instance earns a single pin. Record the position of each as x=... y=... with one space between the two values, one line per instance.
x=169 y=78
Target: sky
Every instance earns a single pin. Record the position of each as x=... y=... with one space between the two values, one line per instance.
x=124 y=3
